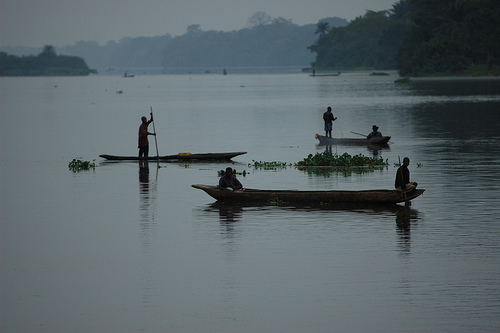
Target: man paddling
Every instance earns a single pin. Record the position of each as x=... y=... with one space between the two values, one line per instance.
x=375 y=133
x=143 y=136
x=402 y=181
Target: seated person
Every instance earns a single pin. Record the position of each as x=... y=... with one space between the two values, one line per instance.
x=229 y=182
x=402 y=181
x=375 y=133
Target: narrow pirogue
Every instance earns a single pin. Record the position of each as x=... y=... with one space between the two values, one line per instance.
x=178 y=157
x=380 y=141
x=311 y=197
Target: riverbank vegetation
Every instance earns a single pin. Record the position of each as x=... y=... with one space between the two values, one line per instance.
x=418 y=38
x=47 y=63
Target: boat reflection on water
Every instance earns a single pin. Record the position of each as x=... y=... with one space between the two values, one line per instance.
x=404 y=217
x=144 y=180
x=147 y=213
x=232 y=213
x=148 y=198
x=229 y=214
x=375 y=150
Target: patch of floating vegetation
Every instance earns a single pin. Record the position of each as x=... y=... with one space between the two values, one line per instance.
x=79 y=165
x=326 y=159
x=221 y=173
x=326 y=163
x=269 y=165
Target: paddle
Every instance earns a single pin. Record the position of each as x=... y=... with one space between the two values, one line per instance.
x=358 y=134
x=156 y=142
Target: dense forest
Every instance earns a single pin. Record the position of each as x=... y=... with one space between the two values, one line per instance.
x=47 y=63
x=267 y=42
x=450 y=37
x=418 y=37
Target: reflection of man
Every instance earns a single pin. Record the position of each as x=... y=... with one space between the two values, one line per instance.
x=143 y=136
x=229 y=214
x=144 y=176
x=402 y=181
x=229 y=182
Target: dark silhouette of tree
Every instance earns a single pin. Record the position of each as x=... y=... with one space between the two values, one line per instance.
x=48 y=51
x=450 y=37
x=193 y=29
x=259 y=18
x=321 y=28
x=369 y=41
x=47 y=63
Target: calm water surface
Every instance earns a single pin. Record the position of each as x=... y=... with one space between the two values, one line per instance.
x=129 y=249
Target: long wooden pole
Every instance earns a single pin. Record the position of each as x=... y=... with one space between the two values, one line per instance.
x=359 y=134
x=156 y=141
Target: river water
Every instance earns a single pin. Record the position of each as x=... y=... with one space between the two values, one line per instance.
x=129 y=249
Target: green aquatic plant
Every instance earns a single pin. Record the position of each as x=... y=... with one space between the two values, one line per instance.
x=324 y=164
x=79 y=165
x=268 y=165
x=326 y=159
x=221 y=173
x=277 y=202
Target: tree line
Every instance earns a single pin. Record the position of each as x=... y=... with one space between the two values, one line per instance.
x=418 y=38
x=267 y=42
x=47 y=63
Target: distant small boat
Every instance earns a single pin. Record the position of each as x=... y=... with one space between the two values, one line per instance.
x=178 y=157
x=379 y=197
x=325 y=74
x=126 y=75
x=380 y=141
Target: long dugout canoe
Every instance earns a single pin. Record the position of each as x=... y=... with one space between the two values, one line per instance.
x=178 y=157
x=380 y=141
x=311 y=197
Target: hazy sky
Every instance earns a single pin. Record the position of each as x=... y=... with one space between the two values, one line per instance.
x=36 y=23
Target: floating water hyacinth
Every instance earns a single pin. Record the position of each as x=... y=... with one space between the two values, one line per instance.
x=79 y=165
x=345 y=160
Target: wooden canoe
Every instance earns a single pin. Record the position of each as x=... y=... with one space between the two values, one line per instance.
x=325 y=74
x=381 y=197
x=380 y=141
x=178 y=157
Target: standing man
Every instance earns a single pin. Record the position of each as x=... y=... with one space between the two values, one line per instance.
x=143 y=136
x=329 y=119
x=402 y=181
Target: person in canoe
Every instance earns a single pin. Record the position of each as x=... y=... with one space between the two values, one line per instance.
x=143 y=136
x=329 y=119
x=402 y=181
x=229 y=182
x=375 y=133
